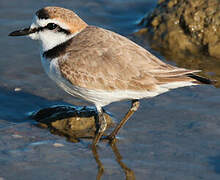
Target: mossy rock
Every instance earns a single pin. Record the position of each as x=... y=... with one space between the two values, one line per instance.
x=191 y=26
x=70 y=121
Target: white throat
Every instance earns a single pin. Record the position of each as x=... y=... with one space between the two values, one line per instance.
x=49 y=39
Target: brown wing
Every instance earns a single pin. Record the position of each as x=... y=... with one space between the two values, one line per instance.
x=101 y=59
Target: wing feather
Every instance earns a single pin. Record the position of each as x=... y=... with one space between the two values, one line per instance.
x=101 y=59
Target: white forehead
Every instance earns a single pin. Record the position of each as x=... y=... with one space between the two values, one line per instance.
x=36 y=22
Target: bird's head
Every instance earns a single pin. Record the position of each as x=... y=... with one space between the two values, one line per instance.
x=52 y=26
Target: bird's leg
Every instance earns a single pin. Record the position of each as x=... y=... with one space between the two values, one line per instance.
x=99 y=163
x=128 y=172
x=102 y=124
x=134 y=106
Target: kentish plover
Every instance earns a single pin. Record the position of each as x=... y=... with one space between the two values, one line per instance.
x=101 y=66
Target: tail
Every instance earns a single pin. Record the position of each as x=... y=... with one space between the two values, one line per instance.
x=201 y=80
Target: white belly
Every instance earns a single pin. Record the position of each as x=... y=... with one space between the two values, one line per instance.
x=52 y=69
x=100 y=97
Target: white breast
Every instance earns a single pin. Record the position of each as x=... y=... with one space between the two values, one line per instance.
x=52 y=69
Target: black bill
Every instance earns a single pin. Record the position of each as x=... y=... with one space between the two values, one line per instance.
x=23 y=32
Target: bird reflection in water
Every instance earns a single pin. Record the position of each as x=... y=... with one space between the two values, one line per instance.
x=75 y=123
x=129 y=174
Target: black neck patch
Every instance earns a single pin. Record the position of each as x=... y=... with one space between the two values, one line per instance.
x=57 y=51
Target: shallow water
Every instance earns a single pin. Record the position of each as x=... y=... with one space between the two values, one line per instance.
x=173 y=136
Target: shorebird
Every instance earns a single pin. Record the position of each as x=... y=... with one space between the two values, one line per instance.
x=101 y=66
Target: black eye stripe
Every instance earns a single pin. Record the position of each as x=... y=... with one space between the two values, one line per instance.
x=67 y=32
x=58 y=28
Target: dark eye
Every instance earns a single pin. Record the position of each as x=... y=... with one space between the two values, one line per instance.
x=51 y=26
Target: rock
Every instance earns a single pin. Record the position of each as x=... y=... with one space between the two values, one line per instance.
x=70 y=121
x=214 y=49
x=186 y=26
